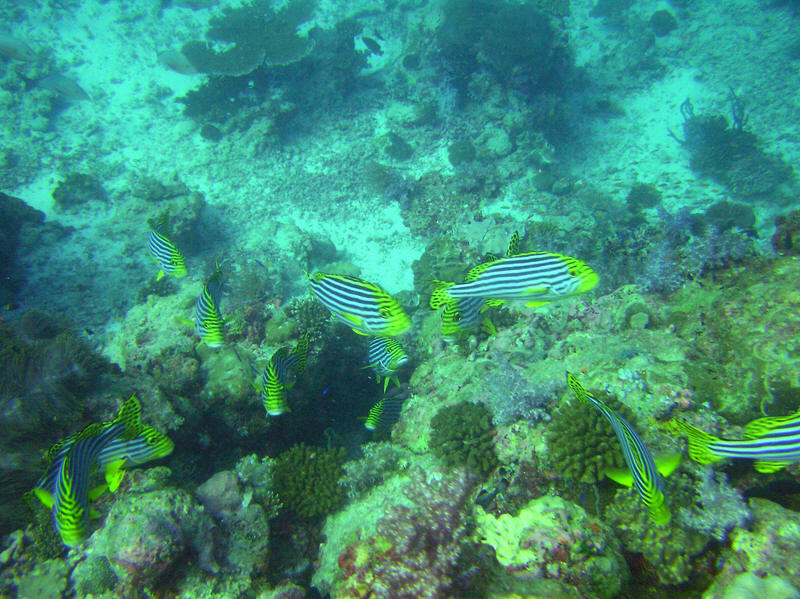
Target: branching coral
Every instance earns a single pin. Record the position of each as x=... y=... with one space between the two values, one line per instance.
x=581 y=443
x=306 y=479
x=460 y=434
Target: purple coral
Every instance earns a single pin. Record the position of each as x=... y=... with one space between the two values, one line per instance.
x=414 y=553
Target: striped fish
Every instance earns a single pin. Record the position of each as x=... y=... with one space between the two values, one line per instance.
x=384 y=413
x=169 y=260
x=207 y=319
x=536 y=278
x=465 y=314
x=361 y=305
x=112 y=445
x=276 y=378
x=386 y=356
x=643 y=472
x=773 y=442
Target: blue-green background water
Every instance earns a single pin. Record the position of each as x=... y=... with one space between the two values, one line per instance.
x=401 y=143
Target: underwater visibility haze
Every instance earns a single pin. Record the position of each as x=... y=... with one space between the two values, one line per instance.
x=400 y=299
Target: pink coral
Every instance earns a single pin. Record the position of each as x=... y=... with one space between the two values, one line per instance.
x=415 y=549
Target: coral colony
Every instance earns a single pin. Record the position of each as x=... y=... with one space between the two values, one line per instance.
x=482 y=299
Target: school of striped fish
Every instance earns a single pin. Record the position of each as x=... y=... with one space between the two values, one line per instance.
x=533 y=278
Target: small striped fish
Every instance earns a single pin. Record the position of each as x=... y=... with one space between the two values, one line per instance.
x=536 y=278
x=386 y=356
x=276 y=378
x=169 y=260
x=464 y=314
x=112 y=445
x=773 y=442
x=361 y=305
x=384 y=413
x=644 y=474
x=207 y=319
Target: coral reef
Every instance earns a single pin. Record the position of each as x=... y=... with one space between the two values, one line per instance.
x=77 y=189
x=461 y=436
x=554 y=539
x=667 y=551
x=717 y=508
x=15 y=218
x=306 y=479
x=379 y=462
x=730 y=153
x=416 y=548
x=256 y=35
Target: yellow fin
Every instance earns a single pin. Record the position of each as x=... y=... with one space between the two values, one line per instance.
x=114 y=474
x=667 y=464
x=766 y=467
x=762 y=426
x=46 y=497
x=488 y=327
x=186 y=321
x=536 y=303
x=659 y=513
x=94 y=514
x=97 y=491
x=160 y=275
x=622 y=476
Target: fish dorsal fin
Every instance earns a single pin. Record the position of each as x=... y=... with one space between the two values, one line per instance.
x=130 y=414
x=477 y=271
x=763 y=426
x=513 y=245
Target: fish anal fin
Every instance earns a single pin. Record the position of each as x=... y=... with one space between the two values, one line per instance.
x=160 y=275
x=536 y=303
x=622 y=476
x=97 y=491
x=766 y=467
x=667 y=463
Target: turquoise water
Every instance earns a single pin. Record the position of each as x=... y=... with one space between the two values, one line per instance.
x=345 y=254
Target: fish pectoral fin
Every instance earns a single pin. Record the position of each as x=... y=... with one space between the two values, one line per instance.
x=667 y=464
x=385 y=383
x=114 y=474
x=94 y=514
x=622 y=476
x=160 y=275
x=185 y=321
x=46 y=497
x=766 y=467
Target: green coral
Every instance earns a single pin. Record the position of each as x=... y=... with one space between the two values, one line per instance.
x=582 y=445
x=307 y=479
x=460 y=434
